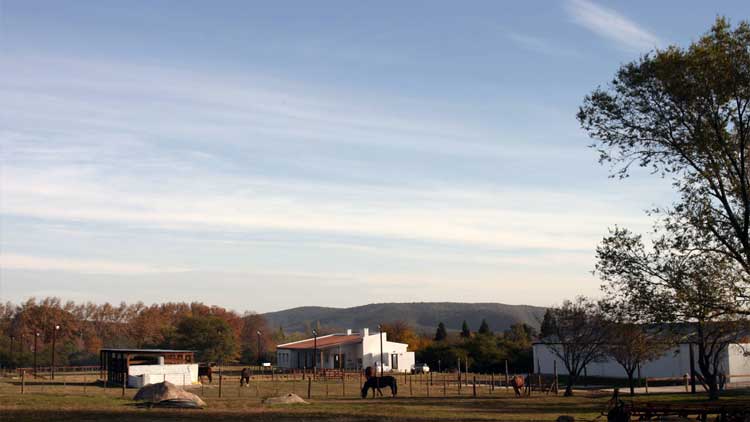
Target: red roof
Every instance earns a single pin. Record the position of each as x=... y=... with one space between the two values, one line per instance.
x=323 y=342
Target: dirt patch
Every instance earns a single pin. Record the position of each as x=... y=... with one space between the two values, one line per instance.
x=290 y=398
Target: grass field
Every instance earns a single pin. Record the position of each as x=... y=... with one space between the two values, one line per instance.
x=66 y=400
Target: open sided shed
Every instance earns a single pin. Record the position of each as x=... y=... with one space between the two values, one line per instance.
x=116 y=363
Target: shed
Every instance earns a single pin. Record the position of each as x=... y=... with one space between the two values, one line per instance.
x=176 y=366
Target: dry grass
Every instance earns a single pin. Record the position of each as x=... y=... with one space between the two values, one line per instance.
x=45 y=401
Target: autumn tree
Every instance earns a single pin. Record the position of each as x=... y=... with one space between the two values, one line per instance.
x=574 y=332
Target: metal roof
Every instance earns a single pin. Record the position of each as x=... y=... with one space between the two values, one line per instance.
x=146 y=351
x=323 y=342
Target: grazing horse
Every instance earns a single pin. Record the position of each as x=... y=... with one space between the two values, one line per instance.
x=376 y=383
x=369 y=372
x=245 y=377
x=517 y=383
x=205 y=371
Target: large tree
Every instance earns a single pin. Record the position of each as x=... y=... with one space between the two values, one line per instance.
x=211 y=336
x=683 y=112
x=694 y=291
x=575 y=333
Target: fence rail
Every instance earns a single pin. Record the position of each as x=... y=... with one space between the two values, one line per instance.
x=59 y=369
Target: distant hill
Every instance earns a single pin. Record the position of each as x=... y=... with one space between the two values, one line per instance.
x=423 y=316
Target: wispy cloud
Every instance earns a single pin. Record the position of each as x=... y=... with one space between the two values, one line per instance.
x=540 y=45
x=612 y=25
x=11 y=261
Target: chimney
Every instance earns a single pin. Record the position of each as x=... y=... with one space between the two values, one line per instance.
x=349 y=332
x=365 y=332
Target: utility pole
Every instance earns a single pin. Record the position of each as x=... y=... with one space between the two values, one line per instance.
x=54 y=339
x=380 y=334
x=315 y=351
x=36 y=338
x=259 y=358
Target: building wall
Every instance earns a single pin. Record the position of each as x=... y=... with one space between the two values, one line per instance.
x=178 y=374
x=673 y=363
x=371 y=353
x=357 y=355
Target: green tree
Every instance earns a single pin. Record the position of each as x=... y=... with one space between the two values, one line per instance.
x=441 y=333
x=210 y=336
x=484 y=328
x=465 y=332
x=684 y=113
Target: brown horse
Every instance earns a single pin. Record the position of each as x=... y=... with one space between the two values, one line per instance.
x=517 y=383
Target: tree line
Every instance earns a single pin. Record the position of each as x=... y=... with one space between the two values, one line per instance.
x=81 y=330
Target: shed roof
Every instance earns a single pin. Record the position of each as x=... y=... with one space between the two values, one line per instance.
x=146 y=351
x=323 y=342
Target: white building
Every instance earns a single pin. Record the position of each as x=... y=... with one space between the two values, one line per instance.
x=345 y=351
x=673 y=363
x=139 y=367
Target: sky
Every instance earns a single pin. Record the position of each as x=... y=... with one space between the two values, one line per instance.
x=268 y=155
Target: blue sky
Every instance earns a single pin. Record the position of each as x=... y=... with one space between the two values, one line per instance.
x=262 y=156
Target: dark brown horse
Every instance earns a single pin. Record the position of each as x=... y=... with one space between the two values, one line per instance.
x=205 y=371
x=245 y=377
x=376 y=383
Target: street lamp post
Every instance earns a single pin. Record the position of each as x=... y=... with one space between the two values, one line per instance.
x=380 y=334
x=315 y=351
x=54 y=338
x=259 y=358
x=36 y=338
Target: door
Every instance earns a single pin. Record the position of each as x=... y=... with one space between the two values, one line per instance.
x=394 y=361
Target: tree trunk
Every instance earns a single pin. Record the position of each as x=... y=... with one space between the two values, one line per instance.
x=569 y=386
x=713 y=387
x=631 y=382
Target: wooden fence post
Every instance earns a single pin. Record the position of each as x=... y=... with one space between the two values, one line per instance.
x=492 y=382
x=124 y=382
x=309 y=387
x=23 y=381
x=445 y=387
x=428 y=387
x=646 y=385
x=343 y=385
x=221 y=380
x=474 y=385
x=411 y=392
x=84 y=384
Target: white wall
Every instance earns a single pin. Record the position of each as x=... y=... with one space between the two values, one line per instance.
x=178 y=374
x=371 y=353
x=673 y=363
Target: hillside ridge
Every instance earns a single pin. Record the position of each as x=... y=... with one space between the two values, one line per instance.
x=423 y=316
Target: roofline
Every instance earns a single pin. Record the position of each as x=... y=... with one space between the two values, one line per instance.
x=107 y=349
x=308 y=339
